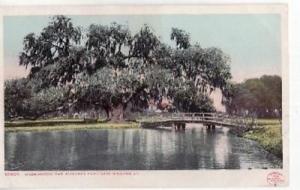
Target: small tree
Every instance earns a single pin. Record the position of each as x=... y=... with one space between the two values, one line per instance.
x=24 y=99
x=190 y=101
x=15 y=93
x=260 y=96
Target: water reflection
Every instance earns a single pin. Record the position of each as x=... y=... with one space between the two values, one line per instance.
x=162 y=149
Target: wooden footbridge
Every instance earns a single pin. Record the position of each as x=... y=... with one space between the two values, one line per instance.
x=210 y=120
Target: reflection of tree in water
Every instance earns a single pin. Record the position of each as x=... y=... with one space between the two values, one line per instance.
x=11 y=150
x=132 y=149
x=233 y=162
x=208 y=155
x=28 y=151
x=194 y=149
x=88 y=150
x=222 y=148
x=210 y=148
x=180 y=154
x=160 y=150
x=152 y=146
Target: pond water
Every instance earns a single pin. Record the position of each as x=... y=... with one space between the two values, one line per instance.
x=134 y=149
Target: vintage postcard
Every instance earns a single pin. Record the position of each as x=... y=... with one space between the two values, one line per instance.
x=144 y=96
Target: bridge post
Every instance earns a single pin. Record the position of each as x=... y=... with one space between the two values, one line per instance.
x=208 y=126
x=174 y=126
x=183 y=126
x=178 y=126
x=213 y=127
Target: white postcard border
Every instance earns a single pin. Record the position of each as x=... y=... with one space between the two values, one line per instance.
x=149 y=178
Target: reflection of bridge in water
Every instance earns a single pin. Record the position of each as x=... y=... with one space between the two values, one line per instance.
x=210 y=120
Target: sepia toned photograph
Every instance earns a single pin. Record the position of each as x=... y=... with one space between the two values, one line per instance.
x=144 y=92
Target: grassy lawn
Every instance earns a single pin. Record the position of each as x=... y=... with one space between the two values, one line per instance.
x=268 y=134
x=67 y=126
x=270 y=122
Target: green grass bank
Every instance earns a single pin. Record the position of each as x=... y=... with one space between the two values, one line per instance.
x=55 y=125
x=268 y=134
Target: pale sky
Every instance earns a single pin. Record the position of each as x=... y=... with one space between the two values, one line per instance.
x=251 y=40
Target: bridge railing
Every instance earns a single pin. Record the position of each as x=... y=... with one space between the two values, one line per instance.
x=216 y=117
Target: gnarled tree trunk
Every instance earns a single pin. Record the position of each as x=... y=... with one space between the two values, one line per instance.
x=115 y=113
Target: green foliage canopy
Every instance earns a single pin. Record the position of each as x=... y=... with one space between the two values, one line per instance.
x=108 y=67
x=261 y=96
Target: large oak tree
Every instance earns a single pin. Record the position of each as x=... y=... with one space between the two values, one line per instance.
x=108 y=67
